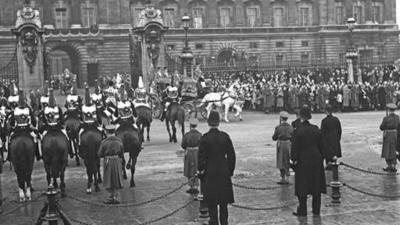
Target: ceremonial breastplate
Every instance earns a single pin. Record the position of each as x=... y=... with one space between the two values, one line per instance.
x=89 y=113
x=3 y=114
x=52 y=115
x=97 y=100
x=22 y=116
x=72 y=102
x=173 y=93
x=44 y=101
x=13 y=100
x=124 y=109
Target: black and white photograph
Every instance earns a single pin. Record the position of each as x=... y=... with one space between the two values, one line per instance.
x=199 y=112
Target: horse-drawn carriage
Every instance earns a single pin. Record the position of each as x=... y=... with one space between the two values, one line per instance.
x=191 y=99
x=156 y=95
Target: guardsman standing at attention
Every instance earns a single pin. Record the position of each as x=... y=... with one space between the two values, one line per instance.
x=283 y=134
x=390 y=127
x=191 y=142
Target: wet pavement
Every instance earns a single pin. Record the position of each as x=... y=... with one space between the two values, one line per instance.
x=159 y=171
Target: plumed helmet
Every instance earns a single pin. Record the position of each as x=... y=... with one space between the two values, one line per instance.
x=213 y=118
x=87 y=94
x=13 y=88
x=97 y=89
x=140 y=82
x=46 y=88
x=74 y=88
x=122 y=94
x=52 y=100
x=21 y=99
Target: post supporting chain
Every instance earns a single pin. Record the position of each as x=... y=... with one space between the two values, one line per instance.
x=335 y=184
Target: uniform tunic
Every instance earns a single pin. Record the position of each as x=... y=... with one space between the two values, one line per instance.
x=190 y=143
x=390 y=127
x=217 y=159
x=112 y=151
x=283 y=133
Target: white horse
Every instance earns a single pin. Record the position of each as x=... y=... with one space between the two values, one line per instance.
x=226 y=99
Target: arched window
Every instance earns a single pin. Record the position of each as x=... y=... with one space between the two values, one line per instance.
x=304 y=13
x=359 y=11
x=61 y=14
x=89 y=13
x=279 y=13
x=253 y=16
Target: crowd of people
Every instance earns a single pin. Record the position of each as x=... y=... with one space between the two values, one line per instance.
x=288 y=89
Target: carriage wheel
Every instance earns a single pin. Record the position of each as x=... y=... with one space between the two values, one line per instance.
x=156 y=109
x=189 y=110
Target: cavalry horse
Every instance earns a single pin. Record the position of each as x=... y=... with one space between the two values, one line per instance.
x=175 y=113
x=225 y=99
x=132 y=144
x=144 y=119
x=21 y=148
x=72 y=124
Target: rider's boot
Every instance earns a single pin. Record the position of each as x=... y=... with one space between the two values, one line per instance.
x=37 y=153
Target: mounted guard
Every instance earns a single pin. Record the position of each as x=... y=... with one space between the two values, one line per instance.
x=171 y=95
x=90 y=136
x=55 y=143
x=143 y=109
x=72 y=119
x=23 y=146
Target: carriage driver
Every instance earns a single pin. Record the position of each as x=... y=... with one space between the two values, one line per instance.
x=21 y=120
x=172 y=94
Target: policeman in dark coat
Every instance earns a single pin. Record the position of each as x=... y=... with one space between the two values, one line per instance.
x=331 y=131
x=390 y=127
x=217 y=163
x=307 y=156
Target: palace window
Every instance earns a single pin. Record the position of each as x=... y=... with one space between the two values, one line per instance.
x=305 y=58
x=199 y=46
x=252 y=16
x=88 y=14
x=135 y=15
x=171 y=47
x=225 y=16
x=304 y=17
x=358 y=12
x=169 y=17
x=198 y=17
x=279 y=58
x=280 y=44
x=279 y=18
x=304 y=43
x=61 y=15
x=339 y=13
x=377 y=12
x=253 y=45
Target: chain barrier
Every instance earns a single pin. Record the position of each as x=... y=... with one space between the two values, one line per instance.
x=127 y=204
x=367 y=171
x=285 y=205
x=20 y=205
x=167 y=215
x=257 y=188
x=371 y=194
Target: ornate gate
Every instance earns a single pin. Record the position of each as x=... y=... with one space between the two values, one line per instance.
x=10 y=70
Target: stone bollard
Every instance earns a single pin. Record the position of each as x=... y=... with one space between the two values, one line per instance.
x=335 y=184
x=203 y=215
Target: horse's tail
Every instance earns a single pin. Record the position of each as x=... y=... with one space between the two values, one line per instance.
x=181 y=116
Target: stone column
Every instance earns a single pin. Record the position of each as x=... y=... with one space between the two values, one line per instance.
x=350 y=70
x=28 y=31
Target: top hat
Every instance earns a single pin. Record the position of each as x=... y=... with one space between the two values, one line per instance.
x=305 y=112
x=213 y=118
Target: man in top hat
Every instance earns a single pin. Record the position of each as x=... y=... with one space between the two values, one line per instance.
x=283 y=134
x=331 y=131
x=307 y=156
x=190 y=143
x=390 y=127
x=217 y=162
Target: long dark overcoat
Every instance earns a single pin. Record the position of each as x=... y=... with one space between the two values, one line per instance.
x=331 y=131
x=308 y=153
x=217 y=159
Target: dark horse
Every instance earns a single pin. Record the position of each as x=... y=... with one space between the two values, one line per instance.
x=132 y=144
x=175 y=113
x=55 y=148
x=90 y=139
x=72 y=124
x=22 y=157
x=144 y=119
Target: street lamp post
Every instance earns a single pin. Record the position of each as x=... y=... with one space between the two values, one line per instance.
x=351 y=54
x=187 y=54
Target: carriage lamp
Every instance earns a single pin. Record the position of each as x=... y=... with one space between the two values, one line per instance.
x=351 y=22
x=187 y=54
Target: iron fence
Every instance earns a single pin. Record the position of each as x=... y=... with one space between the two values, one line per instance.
x=10 y=70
